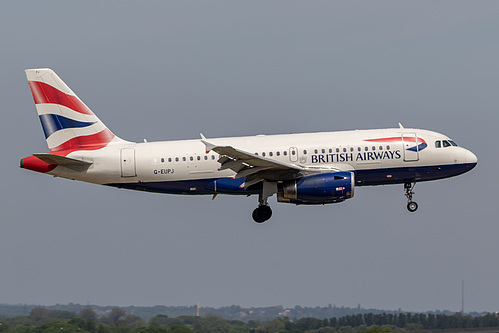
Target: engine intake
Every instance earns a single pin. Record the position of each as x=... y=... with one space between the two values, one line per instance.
x=318 y=189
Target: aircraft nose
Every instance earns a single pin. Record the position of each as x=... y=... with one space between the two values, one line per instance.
x=470 y=157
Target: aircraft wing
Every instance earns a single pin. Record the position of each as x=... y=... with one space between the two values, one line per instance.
x=255 y=168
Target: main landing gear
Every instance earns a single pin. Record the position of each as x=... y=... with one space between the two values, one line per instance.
x=263 y=212
x=412 y=206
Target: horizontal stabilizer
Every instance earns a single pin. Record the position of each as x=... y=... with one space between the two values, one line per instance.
x=61 y=160
x=64 y=161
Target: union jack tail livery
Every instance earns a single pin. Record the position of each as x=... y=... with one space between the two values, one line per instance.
x=68 y=124
x=302 y=169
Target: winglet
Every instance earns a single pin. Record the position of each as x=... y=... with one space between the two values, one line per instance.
x=400 y=126
x=209 y=146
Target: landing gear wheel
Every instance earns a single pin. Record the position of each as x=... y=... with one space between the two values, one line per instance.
x=412 y=206
x=262 y=214
x=256 y=217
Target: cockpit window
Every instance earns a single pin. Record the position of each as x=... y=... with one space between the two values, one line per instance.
x=445 y=143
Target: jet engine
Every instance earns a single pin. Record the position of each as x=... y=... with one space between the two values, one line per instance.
x=318 y=189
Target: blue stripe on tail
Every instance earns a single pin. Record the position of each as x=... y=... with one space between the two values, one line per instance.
x=52 y=123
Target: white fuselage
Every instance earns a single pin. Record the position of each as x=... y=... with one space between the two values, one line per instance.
x=375 y=156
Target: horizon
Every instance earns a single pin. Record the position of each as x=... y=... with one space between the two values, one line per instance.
x=332 y=306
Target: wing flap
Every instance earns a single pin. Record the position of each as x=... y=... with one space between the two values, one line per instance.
x=250 y=171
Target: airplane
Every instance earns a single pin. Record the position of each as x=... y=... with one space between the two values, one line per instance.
x=302 y=169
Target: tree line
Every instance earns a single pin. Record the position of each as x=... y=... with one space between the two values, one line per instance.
x=42 y=320
x=232 y=312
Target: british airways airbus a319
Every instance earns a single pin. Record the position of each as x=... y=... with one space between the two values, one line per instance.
x=306 y=168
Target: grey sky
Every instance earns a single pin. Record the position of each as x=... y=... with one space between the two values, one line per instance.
x=170 y=70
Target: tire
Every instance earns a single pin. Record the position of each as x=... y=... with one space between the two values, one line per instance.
x=256 y=217
x=262 y=214
x=412 y=206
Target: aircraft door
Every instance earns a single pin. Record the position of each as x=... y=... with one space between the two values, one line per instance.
x=128 y=162
x=411 y=148
x=293 y=154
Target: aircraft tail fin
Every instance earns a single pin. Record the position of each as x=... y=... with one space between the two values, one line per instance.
x=68 y=124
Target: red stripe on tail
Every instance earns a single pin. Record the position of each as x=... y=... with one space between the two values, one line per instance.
x=45 y=93
x=86 y=142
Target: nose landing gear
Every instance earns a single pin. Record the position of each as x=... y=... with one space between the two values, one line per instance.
x=412 y=206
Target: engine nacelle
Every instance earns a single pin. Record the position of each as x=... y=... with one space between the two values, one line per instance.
x=318 y=189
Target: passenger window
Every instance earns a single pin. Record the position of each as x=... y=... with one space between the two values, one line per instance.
x=270 y=154
x=191 y=158
x=351 y=148
x=374 y=148
x=162 y=160
x=438 y=144
x=263 y=154
x=330 y=150
x=315 y=151
x=199 y=158
x=169 y=159
x=183 y=159
x=446 y=143
x=205 y=157
x=358 y=148
x=278 y=153
x=337 y=150
x=323 y=151
x=256 y=154
x=387 y=147
x=212 y=157
x=293 y=152
x=285 y=153
x=344 y=150
x=366 y=148
x=380 y=147
x=176 y=159
x=304 y=152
